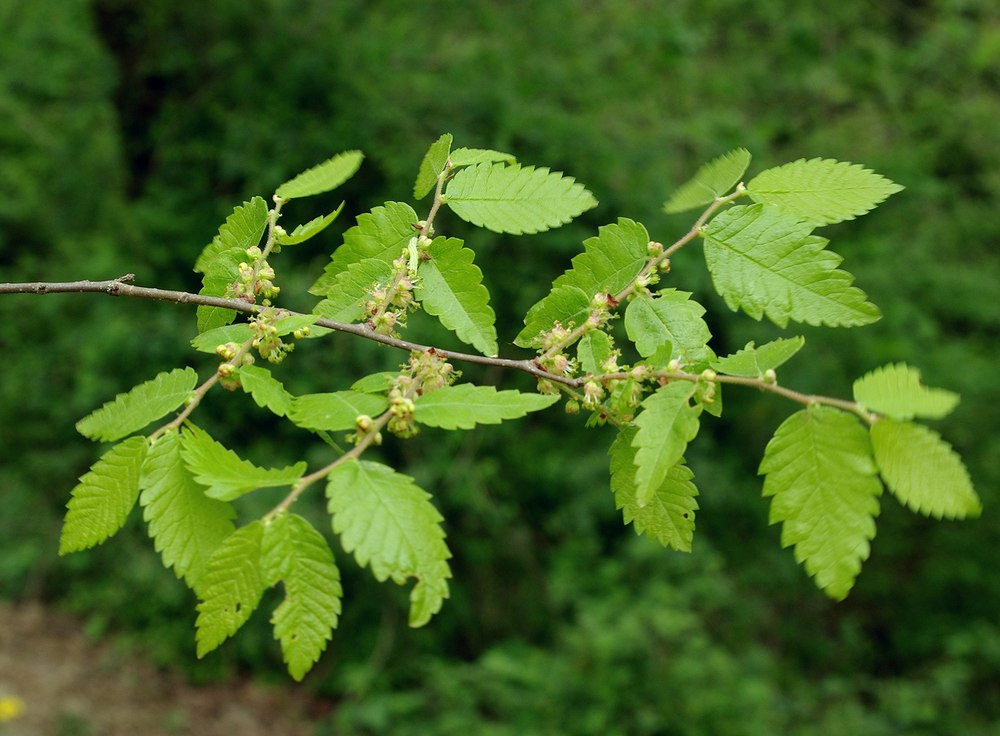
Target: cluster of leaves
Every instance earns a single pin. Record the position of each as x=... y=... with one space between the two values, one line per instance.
x=824 y=469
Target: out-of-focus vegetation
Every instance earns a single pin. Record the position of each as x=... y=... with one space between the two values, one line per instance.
x=129 y=130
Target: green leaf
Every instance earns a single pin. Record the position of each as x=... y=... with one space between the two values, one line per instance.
x=515 y=199
x=208 y=341
x=298 y=555
x=224 y=474
x=821 y=475
x=668 y=517
x=753 y=362
x=307 y=230
x=472 y=156
x=186 y=525
x=822 y=191
x=293 y=322
x=131 y=411
x=334 y=411
x=387 y=522
x=241 y=230
x=765 y=261
x=464 y=406
x=345 y=302
x=323 y=177
x=896 y=391
x=670 y=317
x=375 y=383
x=593 y=349
x=381 y=234
x=219 y=261
x=666 y=425
x=267 y=391
x=230 y=588
x=608 y=264
x=101 y=502
x=712 y=181
x=923 y=471
x=451 y=288
x=433 y=164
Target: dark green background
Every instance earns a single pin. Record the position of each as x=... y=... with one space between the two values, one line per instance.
x=129 y=130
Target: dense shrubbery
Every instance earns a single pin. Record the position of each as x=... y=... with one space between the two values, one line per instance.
x=142 y=104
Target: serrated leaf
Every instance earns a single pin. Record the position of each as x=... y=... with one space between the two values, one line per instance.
x=387 y=522
x=382 y=234
x=824 y=487
x=131 y=411
x=431 y=166
x=208 y=341
x=669 y=317
x=923 y=471
x=822 y=191
x=608 y=264
x=753 y=361
x=267 y=391
x=896 y=391
x=713 y=180
x=665 y=426
x=308 y=230
x=375 y=383
x=224 y=474
x=451 y=288
x=463 y=406
x=102 y=500
x=346 y=297
x=668 y=517
x=230 y=588
x=335 y=411
x=515 y=199
x=765 y=261
x=472 y=156
x=593 y=349
x=323 y=177
x=298 y=555
x=186 y=525
x=241 y=230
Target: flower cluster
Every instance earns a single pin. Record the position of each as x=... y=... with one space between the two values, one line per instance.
x=266 y=340
x=256 y=278
x=387 y=305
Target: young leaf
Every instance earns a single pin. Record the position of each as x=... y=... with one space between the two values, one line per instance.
x=754 y=362
x=101 y=502
x=230 y=588
x=593 y=349
x=671 y=316
x=822 y=191
x=334 y=411
x=923 y=471
x=224 y=474
x=266 y=390
x=322 y=178
x=451 y=288
x=186 y=525
x=607 y=265
x=208 y=341
x=386 y=521
x=375 y=383
x=307 y=230
x=382 y=234
x=431 y=167
x=131 y=411
x=764 y=261
x=298 y=555
x=515 y=199
x=464 y=406
x=668 y=517
x=472 y=156
x=666 y=425
x=821 y=474
x=896 y=391
x=713 y=180
x=346 y=296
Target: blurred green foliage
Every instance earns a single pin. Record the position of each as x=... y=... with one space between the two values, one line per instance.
x=128 y=132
